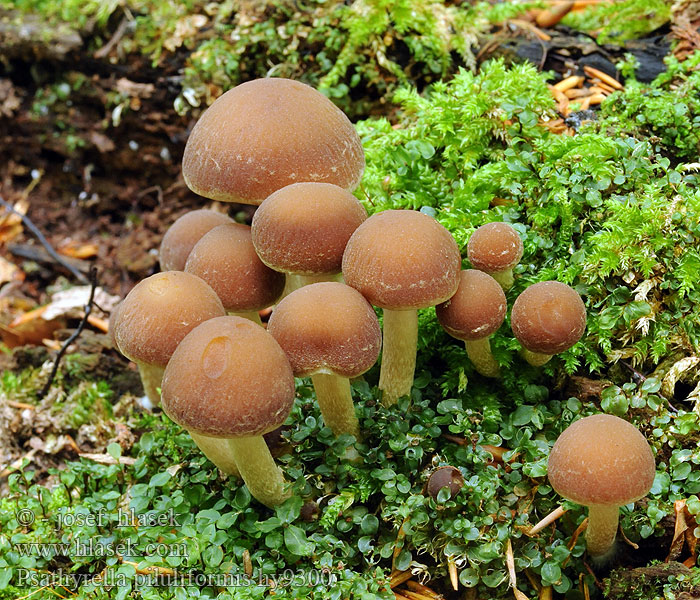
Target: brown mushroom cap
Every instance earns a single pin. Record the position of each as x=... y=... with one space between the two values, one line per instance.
x=476 y=310
x=228 y=378
x=402 y=260
x=159 y=311
x=601 y=460
x=225 y=258
x=268 y=133
x=447 y=476
x=304 y=228
x=494 y=247
x=326 y=327
x=183 y=234
x=548 y=317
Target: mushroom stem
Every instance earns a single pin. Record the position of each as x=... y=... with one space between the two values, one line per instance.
x=217 y=451
x=479 y=352
x=602 y=528
x=151 y=378
x=251 y=315
x=335 y=401
x=504 y=278
x=258 y=469
x=536 y=359
x=398 y=354
x=294 y=281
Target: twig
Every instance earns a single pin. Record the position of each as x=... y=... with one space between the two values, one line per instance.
x=550 y=518
x=44 y=242
x=74 y=335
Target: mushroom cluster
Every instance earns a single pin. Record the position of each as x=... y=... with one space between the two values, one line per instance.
x=229 y=380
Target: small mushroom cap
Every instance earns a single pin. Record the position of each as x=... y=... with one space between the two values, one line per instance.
x=159 y=311
x=477 y=309
x=225 y=258
x=494 y=247
x=327 y=327
x=228 y=378
x=548 y=317
x=447 y=476
x=268 y=133
x=402 y=260
x=601 y=460
x=183 y=234
x=304 y=228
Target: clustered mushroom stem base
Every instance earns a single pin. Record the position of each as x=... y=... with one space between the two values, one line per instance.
x=251 y=315
x=335 y=401
x=535 y=358
x=258 y=470
x=217 y=451
x=602 y=528
x=504 y=278
x=151 y=378
x=398 y=354
x=294 y=282
x=479 y=352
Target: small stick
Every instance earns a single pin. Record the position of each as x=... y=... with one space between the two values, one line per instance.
x=454 y=576
x=416 y=595
x=414 y=586
x=20 y=405
x=550 y=518
x=568 y=83
x=546 y=593
x=74 y=335
x=604 y=77
x=577 y=93
x=400 y=577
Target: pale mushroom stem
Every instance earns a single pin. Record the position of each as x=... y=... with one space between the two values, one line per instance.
x=258 y=470
x=504 y=278
x=602 y=528
x=479 y=352
x=294 y=282
x=335 y=401
x=536 y=359
x=217 y=451
x=151 y=379
x=398 y=354
x=251 y=315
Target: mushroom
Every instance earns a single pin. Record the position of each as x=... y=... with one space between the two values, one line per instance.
x=303 y=228
x=268 y=133
x=602 y=462
x=225 y=258
x=447 y=476
x=154 y=317
x=183 y=234
x=547 y=318
x=401 y=260
x=495 y=248
x=472 y=315
x=230 y=379
x=331 y=333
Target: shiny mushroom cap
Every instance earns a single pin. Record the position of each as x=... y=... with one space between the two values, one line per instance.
x=327 y=327
x=447 y=476
x=494 y=247
x=402 y=260
x=304 y=227
x=268 y=133
x=183 y=234
x=601 y=460
x=548 y=317
x=225 y=258
x=228 y=378
x=477 y=309
x=159 y=311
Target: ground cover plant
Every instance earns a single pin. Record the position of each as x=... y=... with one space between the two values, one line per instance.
x=612 y=210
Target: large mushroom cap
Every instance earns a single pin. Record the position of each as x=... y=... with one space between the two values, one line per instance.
x=225 y=258
x=159 y=311
x=304 y=228
x=477 y=309
x=601 y=460
x=494 y=247
x=268 y=133
x=228 y=378
x=548 y=317
x=402 y=260
x=183 y=234
x=327 y=327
